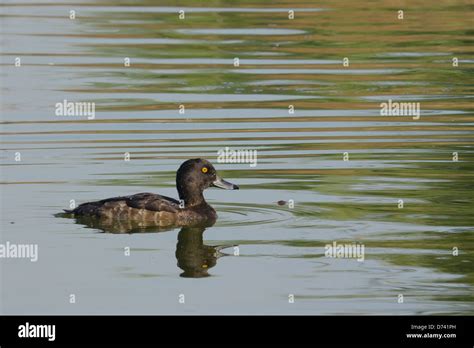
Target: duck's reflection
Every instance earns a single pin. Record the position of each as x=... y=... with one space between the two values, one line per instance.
x=194 y=257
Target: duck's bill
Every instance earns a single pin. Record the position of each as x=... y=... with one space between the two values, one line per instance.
x=221 y=183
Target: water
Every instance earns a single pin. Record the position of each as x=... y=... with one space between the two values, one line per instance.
x=190 y=62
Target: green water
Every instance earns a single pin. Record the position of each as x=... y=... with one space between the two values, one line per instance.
x=423 y=250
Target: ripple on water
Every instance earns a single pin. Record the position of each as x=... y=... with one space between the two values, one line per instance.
x=251 y=214
x=237 y=31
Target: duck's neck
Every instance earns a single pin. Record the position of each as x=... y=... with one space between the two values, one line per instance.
x=191 y=198
x=193 y=201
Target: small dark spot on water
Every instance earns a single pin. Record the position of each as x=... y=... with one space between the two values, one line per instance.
x=12 y=222
x=281 y=202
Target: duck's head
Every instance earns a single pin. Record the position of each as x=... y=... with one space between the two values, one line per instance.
x=196 y=175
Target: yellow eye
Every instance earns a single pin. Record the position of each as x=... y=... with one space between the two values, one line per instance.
x=204 y=170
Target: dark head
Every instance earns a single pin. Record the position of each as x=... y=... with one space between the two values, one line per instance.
x=196 y=175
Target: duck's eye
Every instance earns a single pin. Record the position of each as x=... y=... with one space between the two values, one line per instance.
x=204 y=170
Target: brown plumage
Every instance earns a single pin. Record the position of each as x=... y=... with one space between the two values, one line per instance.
x=149 y=209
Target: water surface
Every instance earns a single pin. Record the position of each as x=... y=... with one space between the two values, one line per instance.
x=282 y=62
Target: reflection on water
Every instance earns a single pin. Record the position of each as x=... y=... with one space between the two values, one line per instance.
x=194 y=257
x=118 y=226
x=282 y=62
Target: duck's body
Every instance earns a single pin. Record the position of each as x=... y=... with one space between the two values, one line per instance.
x=192 y=178
x=147 y=207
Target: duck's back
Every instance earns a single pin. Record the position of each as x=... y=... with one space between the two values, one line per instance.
x=146 y=208
x=141 y=206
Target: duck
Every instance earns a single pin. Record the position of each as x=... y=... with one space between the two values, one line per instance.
x=145 y=209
